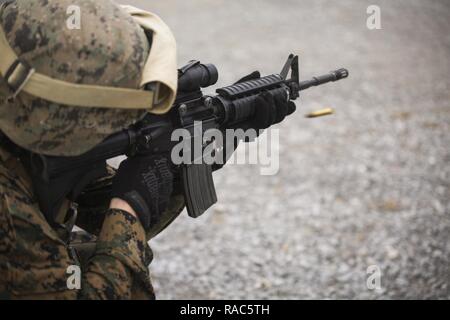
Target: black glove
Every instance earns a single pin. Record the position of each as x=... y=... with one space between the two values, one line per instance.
x=146 y=184
x=270 y=110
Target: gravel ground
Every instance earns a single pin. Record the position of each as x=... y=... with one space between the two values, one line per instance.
x=369 y=186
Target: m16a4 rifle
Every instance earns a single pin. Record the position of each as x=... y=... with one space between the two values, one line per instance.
x=56 y=178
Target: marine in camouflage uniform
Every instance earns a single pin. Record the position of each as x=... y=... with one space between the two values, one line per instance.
x=110 y=50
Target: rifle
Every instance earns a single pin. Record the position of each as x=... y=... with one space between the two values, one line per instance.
x=58 y=178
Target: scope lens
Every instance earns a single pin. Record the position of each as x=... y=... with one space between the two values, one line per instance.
x=211 y=75
x=198 y=76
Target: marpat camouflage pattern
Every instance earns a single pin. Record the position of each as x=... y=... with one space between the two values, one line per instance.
x=34 y=259
x=109 y=49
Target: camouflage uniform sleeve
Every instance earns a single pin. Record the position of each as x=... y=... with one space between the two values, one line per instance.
x=7 y=238
x=119 y=265
x=34 y=260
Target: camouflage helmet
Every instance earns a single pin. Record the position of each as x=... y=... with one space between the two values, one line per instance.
x=110 y=49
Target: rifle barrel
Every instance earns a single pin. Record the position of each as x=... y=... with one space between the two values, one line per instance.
x=330 y=77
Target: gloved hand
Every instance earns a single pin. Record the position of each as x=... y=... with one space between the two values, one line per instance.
x=270 y=109
x=146 y=184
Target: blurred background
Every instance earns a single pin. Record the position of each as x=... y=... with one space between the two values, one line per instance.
x=368 y=186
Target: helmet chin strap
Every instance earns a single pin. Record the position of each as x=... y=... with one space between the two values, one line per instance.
x=53 y=192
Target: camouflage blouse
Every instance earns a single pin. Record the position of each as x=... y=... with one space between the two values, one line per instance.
x=35 y=262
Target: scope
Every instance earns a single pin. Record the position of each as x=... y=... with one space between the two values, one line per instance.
x=196 y=75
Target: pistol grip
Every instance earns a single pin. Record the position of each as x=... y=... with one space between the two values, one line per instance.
x=199 y=190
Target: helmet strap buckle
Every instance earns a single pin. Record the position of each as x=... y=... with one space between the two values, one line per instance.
x=17 y=77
